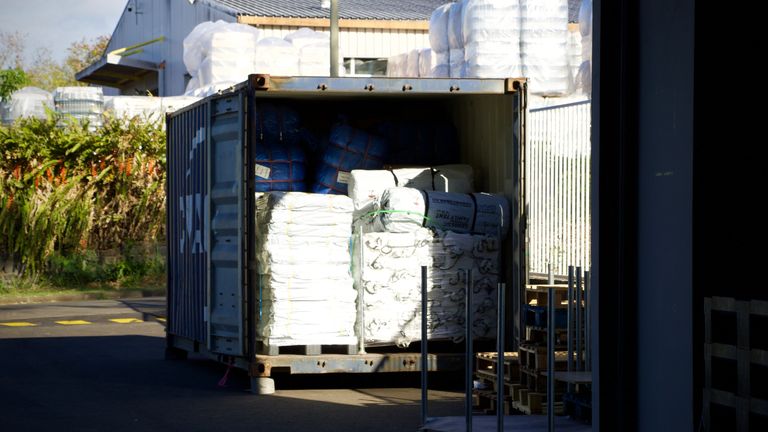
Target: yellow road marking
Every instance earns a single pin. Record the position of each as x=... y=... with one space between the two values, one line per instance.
x=161 y=319
x=73 y=322
x=125 y=320
x=18 y=324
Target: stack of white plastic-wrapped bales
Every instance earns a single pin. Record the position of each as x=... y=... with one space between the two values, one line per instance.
x=544 y=46
x=503 y=39
x=219 y=54
x=491 y=31
x=306 y=291
x=29 y=102
x=85 y=104
x=438 y=41
x=396 y=234
x=457 y=62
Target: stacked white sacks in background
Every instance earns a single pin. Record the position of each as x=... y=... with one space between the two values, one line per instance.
x=544 y=46
x=491 y=30
x=457 y=63
x=438 y=41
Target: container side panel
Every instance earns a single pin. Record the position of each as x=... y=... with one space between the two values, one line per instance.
x=226 y=216
x=187 y=250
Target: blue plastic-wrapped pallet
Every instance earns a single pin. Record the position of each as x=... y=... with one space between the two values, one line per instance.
x=348 y=148
x=280 y=160
x=279 y=168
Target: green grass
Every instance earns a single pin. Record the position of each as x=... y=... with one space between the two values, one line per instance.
x=85 y=276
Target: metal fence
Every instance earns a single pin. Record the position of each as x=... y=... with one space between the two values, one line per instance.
x=557 y=187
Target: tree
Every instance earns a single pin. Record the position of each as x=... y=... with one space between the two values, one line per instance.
x=47 y=73
x=84 y=53
x=10 y=81
x=12 y=50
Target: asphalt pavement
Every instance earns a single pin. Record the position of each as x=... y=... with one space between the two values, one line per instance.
x=99 y=366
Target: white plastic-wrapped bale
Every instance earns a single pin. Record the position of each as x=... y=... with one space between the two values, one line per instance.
x=491 y=31
x=452 y=255
x=442 y=66
x=412 y=64
x=584 y=76
x=456 y=56
x=314 y=50
x=277 y=57
x=387 y=266
x=406 y=209
x=307 y=295
x=81 y=103
x=544 y=42
x=427 y=60
x=367 y=186
x=230 y=57
x=25 y=103
x=438 y=40
x=145 y=108
x=396 y=65
x=438 y=29
x=217 y=53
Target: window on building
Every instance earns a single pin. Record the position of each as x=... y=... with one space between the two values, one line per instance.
x=355 y=66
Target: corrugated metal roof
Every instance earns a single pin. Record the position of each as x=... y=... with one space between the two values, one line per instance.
x=348 y=9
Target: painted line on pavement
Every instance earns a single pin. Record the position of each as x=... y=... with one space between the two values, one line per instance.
x=74 y=322
x=126 y=320
x=18 y=324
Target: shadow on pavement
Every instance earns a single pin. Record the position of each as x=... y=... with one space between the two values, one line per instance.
x=120 y=383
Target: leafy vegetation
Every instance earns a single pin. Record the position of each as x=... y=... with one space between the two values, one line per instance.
x=67 y=193
x=10 y=81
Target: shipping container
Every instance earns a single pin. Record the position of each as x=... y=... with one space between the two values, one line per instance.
x=212 y=277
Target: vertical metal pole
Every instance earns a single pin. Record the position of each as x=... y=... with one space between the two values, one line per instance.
x=550 y=275
x=500 y=316
x=579 y=352
x=570 y=317
x=424 y=352
x=587 y=348
x=360 y=298
x=334 y=38
x=551 y=361
x=469 y=355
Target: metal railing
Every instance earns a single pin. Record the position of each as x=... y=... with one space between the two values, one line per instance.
x=557 y=186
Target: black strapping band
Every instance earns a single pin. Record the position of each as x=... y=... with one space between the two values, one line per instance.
x=397 y=182
x=425 y=194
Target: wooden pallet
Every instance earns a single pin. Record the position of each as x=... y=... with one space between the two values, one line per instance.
x=486 y=362
x=538 y=335
x=536 y=403
x=538 y=295
x=264 y=349
x=534 y=357
x=490 y=382
x=537 y=381
x=487 y=402
x=742 y=358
